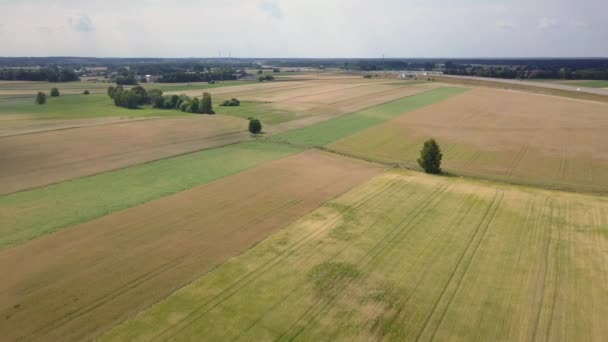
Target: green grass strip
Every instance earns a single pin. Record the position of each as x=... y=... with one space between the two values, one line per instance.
x=331 y=130
x=29 y=214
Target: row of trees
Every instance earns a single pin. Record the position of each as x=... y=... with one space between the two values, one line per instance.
x=525 y=72
x=139 y=96
x=213 y=75
x=42 y=74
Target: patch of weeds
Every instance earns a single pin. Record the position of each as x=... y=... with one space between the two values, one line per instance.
x=330 y=277
x=342 y=232
x=382 y=293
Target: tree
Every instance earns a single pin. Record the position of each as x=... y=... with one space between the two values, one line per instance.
x=130 y=99
x=111 y=91
x=255 y=126
x=206 y=105
x=194 y=106
x=40 y=98
x=430 y=157
x=54 y=92
x=142 y=95
x=86 y=92
x=156 y=98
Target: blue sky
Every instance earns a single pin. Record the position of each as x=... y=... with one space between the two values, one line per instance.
x=305 y=28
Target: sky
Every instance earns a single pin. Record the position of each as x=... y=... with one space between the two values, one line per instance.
x=304 y=28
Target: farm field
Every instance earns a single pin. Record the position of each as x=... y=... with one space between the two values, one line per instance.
x=28 y=214
x=35 y=160
x=28 y=89
x=407 y=256
x=75 y=107
x=327 y=131
x=496 y=134
x=311 y=100
x=126 y=225
x=590 y=84
x=58 y=286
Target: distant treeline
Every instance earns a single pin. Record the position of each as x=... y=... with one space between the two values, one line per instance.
x=43 y=74
x=206 y=76
x=594 y=69
x=206 y=69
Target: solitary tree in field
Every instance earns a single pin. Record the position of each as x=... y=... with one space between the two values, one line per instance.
x=205 y=105
x=86 y=92
x=54 y=92
x=255 y=126
x=430 y=157
x=40 y=98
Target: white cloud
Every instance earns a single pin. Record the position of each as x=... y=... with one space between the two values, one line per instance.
x=545 y=23
x=81 y=24
x=504 y=26
x=273 y=8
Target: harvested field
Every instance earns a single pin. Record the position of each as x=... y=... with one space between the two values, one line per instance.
x=74 y=284
x=512 y=136
x=35 y=160
x=408 y=257
x=23 y=124
x=28 y=214
x=327 y=131
x=314 y=100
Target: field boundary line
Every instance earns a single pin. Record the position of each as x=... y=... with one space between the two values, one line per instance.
x=256 y=273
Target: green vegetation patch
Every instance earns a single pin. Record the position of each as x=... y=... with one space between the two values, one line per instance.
x=26 y=215
x=259 y=110
x=329 y=278
x=77 y=106
x=590 y=84
x=328 y=131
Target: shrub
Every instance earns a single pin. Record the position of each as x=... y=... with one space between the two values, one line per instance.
x=367 y=76
x=231 y=103
x=430 y=157
x=54 y=92
x=86 y=92
x=266 y=78
x=40 y=98
x=255 y=126
x=156 y=98
x=168 y=103
x=206 y=105
x=184 y=106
